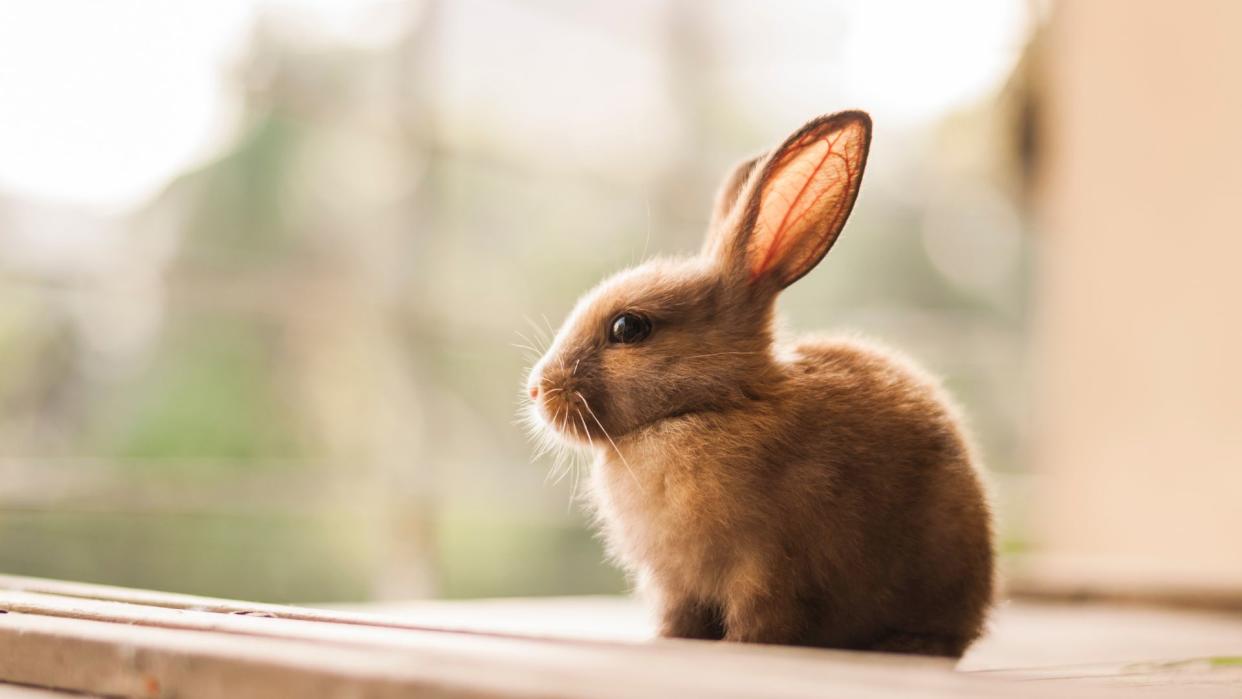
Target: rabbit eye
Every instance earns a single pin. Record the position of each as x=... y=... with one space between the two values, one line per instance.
x=628 y=328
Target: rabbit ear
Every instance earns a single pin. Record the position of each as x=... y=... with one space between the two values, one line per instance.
x=797 y=204
x=729 y=192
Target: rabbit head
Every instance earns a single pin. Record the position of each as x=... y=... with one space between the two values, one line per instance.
x=677 y=336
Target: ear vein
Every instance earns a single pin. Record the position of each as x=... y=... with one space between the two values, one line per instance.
x=838 y=213
x=783 y=227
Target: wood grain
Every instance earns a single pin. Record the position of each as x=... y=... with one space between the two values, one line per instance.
x=135 y=643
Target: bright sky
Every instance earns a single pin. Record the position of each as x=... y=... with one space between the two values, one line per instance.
x=102 y=102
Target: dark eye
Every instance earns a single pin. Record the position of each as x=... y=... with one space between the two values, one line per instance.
x=629 y=328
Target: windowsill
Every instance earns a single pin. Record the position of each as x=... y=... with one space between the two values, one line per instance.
x=98 y=639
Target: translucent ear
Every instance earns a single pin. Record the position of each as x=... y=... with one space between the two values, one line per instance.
x=801 y=198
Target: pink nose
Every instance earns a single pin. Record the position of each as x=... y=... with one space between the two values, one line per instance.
x=534 y=391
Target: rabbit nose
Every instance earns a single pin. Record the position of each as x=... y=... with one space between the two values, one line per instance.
x=534 y=391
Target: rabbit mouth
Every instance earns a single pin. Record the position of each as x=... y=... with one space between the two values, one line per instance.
x=564 y=417
x=572 y=419
x=567 y=415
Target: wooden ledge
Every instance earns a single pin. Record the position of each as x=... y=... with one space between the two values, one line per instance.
x=114 y=641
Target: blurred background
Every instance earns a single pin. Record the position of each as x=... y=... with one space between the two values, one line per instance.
x=264 y=264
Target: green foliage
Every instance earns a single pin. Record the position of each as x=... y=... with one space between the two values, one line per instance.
x=211 y=396
x=240 y=209
x=499 y=553
x=273 y=556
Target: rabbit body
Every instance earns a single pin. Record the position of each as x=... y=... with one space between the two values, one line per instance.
x=813 y=493
x=841 y=510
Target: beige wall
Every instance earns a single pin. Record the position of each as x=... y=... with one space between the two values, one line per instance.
x=1139 y=295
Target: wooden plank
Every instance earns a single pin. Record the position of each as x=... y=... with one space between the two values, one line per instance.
x=437 y=657
x=133 y=650
x=137 y=661
x=1021 y=634
x=1221 y=672
x=13 y=691
x=173 y=600
x=1041 y=635
x=599 y=618
x=1078 y=643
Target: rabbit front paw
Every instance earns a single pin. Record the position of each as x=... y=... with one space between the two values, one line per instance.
x=692 y=619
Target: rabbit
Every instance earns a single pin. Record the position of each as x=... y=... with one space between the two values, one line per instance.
x=818 y=492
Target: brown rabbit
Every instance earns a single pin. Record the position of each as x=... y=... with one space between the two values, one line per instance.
x=817 y=492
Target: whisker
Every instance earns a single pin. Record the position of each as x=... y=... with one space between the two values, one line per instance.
x=609 y=437
x=568 y=463
x=542 y=447
x=556 y=466
x=557 y=473
x=573 y=485
x=538 y=330
x=541 y=347
x=575 y=371
x=584 y=428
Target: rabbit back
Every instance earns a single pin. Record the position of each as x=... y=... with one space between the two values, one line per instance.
x=878 y=442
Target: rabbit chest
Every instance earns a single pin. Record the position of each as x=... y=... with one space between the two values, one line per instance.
x=674 y=517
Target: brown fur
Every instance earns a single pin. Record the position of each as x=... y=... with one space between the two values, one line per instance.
x=819 y=492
